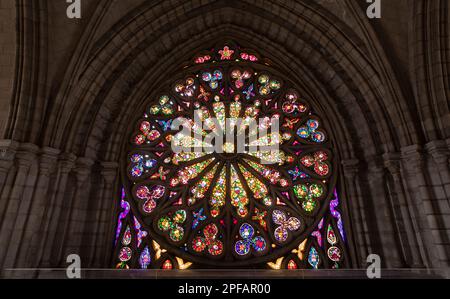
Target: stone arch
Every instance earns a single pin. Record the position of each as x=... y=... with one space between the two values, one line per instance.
x=109 y=80
x=373 y=109
x=342 y=76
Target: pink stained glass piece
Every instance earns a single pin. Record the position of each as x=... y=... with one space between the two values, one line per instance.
x=292 y=265
x=145 y=127
x=139 y=140
x=143 y=192
x=334 y=254
x=125 y=254
x=149 y=206
x=153 y=135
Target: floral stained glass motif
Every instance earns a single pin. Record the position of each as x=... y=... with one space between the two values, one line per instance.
x=285 y=225
x=250 y=201
x=173 y=225
x=249 y=241
x=210 y=241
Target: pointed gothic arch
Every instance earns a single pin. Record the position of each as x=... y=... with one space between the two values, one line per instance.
x=229 y=209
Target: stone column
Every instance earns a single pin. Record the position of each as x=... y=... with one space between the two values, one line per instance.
x=73 y=226
x=403 y=212
x=357 y=219
x=24 y=212
x=41 y=198
x=414 y=162
x=440 y=152
x=25 y=158
x=440 y=226
x=381 y=223
x=106 y=216
x=53 y=211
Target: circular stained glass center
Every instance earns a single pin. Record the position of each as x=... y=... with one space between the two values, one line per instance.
x=225 y=203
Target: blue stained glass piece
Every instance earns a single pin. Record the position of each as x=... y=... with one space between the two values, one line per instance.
x=313 y=258
x=242 y=248
x=246 y=231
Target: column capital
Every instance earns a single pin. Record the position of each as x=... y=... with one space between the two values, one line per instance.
x=392 y=161
x=439 y=150
x=50 y=152
x=26 y=154
x=109 y=171
x=67 y=162
x=48 y=159
x=411 y=150
x=8 y=149
x=413 y=156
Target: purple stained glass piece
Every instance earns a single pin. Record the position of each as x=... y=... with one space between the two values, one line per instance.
x=333 y=205
x=126 y=209
x=145 y=258
x=141 y=234
x=246 y=231
x=137 y=171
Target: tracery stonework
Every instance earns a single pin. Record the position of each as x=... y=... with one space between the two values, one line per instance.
x=230 y=209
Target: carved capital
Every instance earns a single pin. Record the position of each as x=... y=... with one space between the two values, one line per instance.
x=392 y=162
x=8 y=150
x=413 y=157
x=26 y=155
x=48 y=160
x=67 y=162
x=439 y=151
x=109 y=171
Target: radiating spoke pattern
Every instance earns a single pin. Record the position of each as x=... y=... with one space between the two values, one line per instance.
x=231 y=166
